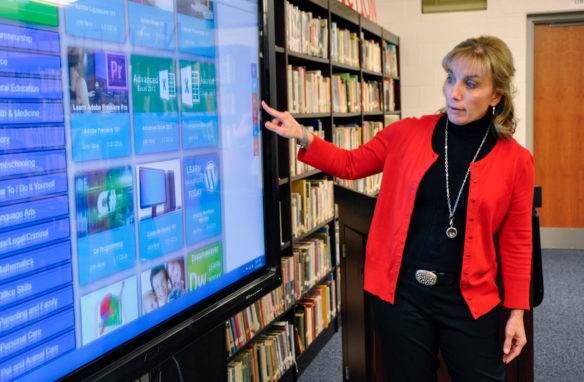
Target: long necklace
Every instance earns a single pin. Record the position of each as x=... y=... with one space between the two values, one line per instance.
x=451 y=231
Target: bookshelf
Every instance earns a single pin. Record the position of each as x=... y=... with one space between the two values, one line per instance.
x=333 y=68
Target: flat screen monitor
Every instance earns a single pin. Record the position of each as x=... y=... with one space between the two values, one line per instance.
x=132 y=186
x=152 y=184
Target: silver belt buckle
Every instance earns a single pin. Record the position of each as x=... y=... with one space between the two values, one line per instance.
x=425 y=277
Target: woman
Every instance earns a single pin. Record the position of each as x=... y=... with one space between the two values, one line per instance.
x=450 y=181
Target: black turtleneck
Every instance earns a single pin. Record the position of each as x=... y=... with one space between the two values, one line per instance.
x=426 y=245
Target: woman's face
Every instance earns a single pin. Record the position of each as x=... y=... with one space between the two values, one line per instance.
x=469 y=92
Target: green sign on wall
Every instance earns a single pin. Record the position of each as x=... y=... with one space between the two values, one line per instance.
x=29 y=11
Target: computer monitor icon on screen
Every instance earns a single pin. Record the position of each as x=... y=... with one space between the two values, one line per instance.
x=157 y=189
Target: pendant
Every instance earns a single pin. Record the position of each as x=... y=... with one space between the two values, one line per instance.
x=451 y=232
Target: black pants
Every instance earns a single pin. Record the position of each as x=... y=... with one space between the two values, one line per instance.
x=425 y=318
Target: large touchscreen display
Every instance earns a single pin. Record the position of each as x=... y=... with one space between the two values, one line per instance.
x=130 y=170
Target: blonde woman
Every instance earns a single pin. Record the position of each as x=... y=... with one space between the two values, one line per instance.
x=450 y=181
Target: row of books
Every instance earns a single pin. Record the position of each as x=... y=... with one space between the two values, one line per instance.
x=344 y=46
x=389 y=59
x=314 y=313
x=388 y=94
x=371 y=96
x=308 y=34
x=346 y=93
x=267 y=358
x=312 y=203
x=241 y=327
x=308 y=90
x=371 y=56
x=297 y=167
x=351 y=137
x=305 y=33
x=273 y=351
x=310 y=261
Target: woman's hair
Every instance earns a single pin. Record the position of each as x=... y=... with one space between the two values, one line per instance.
x=494 y=56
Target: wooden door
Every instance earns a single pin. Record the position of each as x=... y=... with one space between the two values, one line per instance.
x=559 y=123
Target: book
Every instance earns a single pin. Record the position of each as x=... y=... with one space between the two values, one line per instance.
x=229 y=338
x=300 y=325
x=238 y=331
x=246 y=326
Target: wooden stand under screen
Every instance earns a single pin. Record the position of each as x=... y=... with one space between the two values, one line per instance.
x=361 y=348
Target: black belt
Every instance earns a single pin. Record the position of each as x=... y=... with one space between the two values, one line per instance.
x=429 y=277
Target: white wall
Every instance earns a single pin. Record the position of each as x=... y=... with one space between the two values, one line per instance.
x=426 y=38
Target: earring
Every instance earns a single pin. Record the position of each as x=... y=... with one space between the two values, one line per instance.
x=493 y=111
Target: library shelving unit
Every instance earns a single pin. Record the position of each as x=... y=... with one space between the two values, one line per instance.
x=334 y=70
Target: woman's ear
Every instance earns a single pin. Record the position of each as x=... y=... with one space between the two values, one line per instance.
x=496 y=99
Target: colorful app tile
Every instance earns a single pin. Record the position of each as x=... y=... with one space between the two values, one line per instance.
x=205 y=265
x=196 y=27
x=162 y=284
x=160 y=208
x=96 y=19
x=155 y=103
x=108 y=309
x=100 y=119
x=152 y=23
x=202 y=197
x=105 y=223
x=198 y=104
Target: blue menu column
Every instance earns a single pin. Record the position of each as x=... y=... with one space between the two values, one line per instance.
x=37 y=321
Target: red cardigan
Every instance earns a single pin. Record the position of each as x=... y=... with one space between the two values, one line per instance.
x=500 y=198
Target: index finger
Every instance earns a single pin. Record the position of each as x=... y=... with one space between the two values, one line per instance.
x=271 y=111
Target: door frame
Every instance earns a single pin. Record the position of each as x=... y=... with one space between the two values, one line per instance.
x=559 y=238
